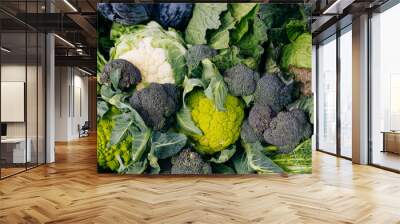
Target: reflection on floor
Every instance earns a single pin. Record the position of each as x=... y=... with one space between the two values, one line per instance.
x=387 y=159
x=8 y=170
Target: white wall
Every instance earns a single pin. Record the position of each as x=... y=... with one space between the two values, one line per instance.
x=314 y=90
x=70 y=83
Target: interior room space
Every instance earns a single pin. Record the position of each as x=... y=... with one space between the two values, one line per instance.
x=52 y=102
x=73 y=104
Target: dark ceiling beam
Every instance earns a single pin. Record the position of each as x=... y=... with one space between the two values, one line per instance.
x=78 y=61
x=45 y=22
x=86 y=27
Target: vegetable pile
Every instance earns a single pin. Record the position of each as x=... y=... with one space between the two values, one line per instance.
x=205 y=88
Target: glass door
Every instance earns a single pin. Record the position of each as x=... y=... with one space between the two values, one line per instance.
x=14 y=153
x=346 y=72
x=326 y=101
x=22 y=90
x=385 y=90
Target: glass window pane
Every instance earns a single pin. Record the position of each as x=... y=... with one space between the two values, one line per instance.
x=41 y=99
x=327 y=96
x=13 y=86
x=346 y=94
x=31 y=97
x=385 y=84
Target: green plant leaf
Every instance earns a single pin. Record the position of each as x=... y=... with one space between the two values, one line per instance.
x=133 y=167
x=106 y=92
x=248 y=99
x=240 y=163
x=251 y=43
x=220 y=39
x=294 y=28
x=224 y=155
x=115 y=76
x=129 y=122
x=122 y=124
x=227 y=58
x=205 y=17
x=140 y=141
x=258 y=161
x=298 y=54
x=102 y=108
x=168 y=144
x=118 y=101
x=194 y=55
x=240 y=10
x=298 y=161
x=153 y=160
x=189 y=85
x=222 y=169
x=101 y=62
x=185 y=122
x=217 y=89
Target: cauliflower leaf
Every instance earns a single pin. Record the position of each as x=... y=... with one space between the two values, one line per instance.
x=205 y=17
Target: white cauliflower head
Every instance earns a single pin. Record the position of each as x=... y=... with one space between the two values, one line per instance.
x=158 y=54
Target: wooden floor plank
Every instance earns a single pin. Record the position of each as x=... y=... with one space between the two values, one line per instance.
x=71 y=191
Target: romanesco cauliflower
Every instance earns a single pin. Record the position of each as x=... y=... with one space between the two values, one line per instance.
x=220 y=128
x=107 y=156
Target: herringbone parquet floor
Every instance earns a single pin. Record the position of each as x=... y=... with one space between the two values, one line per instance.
x=71 y=191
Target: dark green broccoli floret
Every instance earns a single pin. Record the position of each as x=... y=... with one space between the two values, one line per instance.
x=189 y=162
x=271 y=91
x=241 y=80
x=129 y=74
x=156 y=104
x=259 y=119
x=287 y=129
x=247 y=133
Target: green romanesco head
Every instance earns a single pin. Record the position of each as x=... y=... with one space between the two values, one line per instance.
x=220 y=128
x=106 y=155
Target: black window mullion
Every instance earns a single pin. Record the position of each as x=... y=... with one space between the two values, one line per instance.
x=37 y=90
x=26 y=87
x=338 y=81
x=316 y=97
x=0 y=92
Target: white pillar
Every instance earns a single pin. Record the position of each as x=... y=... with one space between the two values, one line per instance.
x=50 y=99
x=360 y=90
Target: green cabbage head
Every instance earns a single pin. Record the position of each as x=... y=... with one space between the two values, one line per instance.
x=298 y=53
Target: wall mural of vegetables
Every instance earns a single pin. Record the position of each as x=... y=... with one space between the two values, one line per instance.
x=204 y=88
